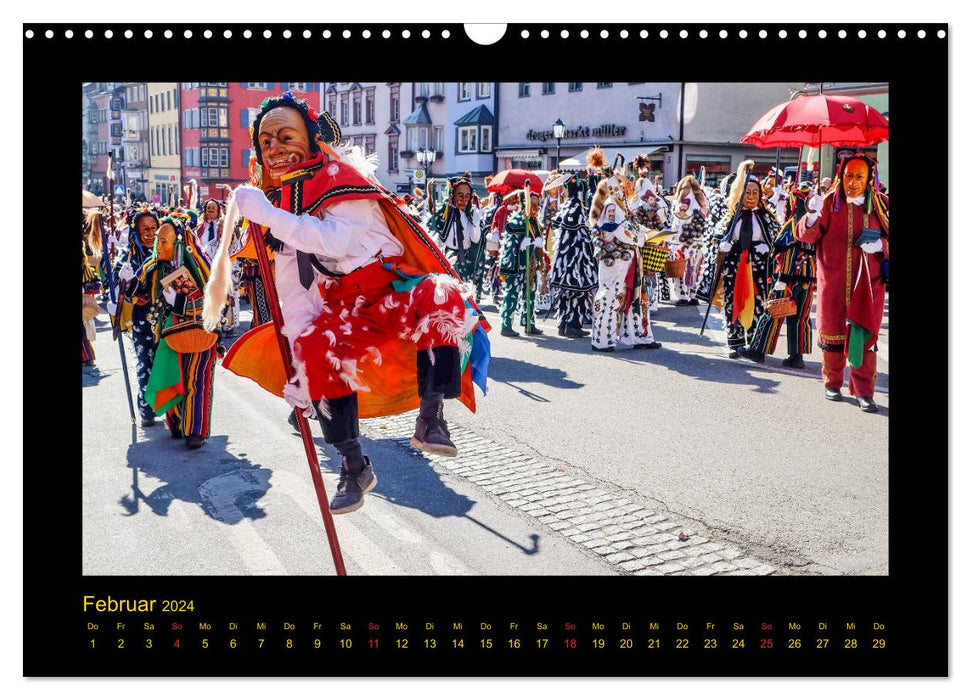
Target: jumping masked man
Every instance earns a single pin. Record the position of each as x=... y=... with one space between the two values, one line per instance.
x=371 y=308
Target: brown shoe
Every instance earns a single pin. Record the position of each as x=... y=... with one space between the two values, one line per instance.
x=431 y=435
x=352 y=487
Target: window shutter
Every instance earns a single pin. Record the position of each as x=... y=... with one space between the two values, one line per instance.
x=244 y=85
x=243 y=114
x=269 y=86
x=283 y=86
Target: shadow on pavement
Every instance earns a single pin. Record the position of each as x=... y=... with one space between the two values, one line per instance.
x=406 y=478
x=509 y=369
x=226 y=486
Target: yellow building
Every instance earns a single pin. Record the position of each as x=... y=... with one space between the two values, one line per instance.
x=164 y=142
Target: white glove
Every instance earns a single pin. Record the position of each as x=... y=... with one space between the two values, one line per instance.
x=640 y=238
x=494 y=236
x=294 y=395
x=254 y=205
x=169 y=295
x=539 y=242
x=873 y=247
x=112 y=307
x=526 y=243
x=725 y=246
x=762 y=249
x=126 y=273
x=815 y=204
x=779 y=287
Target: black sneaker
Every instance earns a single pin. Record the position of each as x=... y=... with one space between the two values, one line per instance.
x=733 y=354
x=867 y=404
x=534 y=330
x=833 y=395
x=682 y=302
x=508 y=332
x=694 y=302
x=752 y=355
x=194 y=442
x=176 y=433
x=648 y=346
x=432 y=436
x=794 y=361
x=352 y=487
x=607 y=349
x=572 y=332
x=148 y=422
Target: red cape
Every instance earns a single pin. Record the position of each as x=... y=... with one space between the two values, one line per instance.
x=307 y=189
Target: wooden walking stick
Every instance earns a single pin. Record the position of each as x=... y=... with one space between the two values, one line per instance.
x=111 y=290
x=310 y=449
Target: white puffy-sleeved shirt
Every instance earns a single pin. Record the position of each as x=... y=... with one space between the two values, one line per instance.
x=344 y=237
x=471 y=232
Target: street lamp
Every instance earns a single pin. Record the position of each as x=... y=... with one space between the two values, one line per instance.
x=426 y=157
x=559 y=129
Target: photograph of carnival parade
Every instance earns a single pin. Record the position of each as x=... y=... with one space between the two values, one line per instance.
x=485 y=328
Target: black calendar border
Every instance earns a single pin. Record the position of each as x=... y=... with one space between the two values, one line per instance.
x=912 y=600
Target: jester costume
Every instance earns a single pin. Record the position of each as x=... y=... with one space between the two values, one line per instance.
x=180 y=384
x=574 y=273
x=852 y=289
x=751 y=233
x=718 y=210
x=517 y=262
x=90 y=285
x=460 y=234
x=143 y=335
x=795 y=267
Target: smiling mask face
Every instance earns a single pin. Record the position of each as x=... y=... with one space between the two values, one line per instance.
x=283 y=140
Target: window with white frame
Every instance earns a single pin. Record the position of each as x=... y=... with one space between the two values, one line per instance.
x=393 y=154
x=417 y=137
x=357 y=107
x=369 y=107
x=605 y=85
x=395 y=105
x=440 y=138
x=483 y=90
x=298 y=87
x=224 y=157
x=524 y=89
x=574 y=87
x=549 y=88
x=468 y=138
x=465 y=92
x=256 y=86
x=439 y=89
x=485 y=140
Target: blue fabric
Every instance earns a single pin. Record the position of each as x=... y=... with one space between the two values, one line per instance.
x=481 y=354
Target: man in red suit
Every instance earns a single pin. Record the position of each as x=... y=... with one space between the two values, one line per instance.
x=850 y=227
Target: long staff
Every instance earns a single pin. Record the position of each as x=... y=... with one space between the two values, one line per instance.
x=111 y=290
x=273 y=301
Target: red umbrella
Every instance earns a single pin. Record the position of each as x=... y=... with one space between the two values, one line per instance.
x=506 y=181
x=811 y=121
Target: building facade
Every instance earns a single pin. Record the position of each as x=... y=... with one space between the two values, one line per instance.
x=164 y=137
x=134 y=140
x=633 y=118
x=104 y=103
x=370 y=116
x=471 y=130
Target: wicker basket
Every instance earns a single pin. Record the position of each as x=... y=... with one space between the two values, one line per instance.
x=675 y=268
x=89 y=307
x=654 y=257
x=188 y=337
x=781 y=308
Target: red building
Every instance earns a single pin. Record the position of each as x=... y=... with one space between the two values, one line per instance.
x=216 y=118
